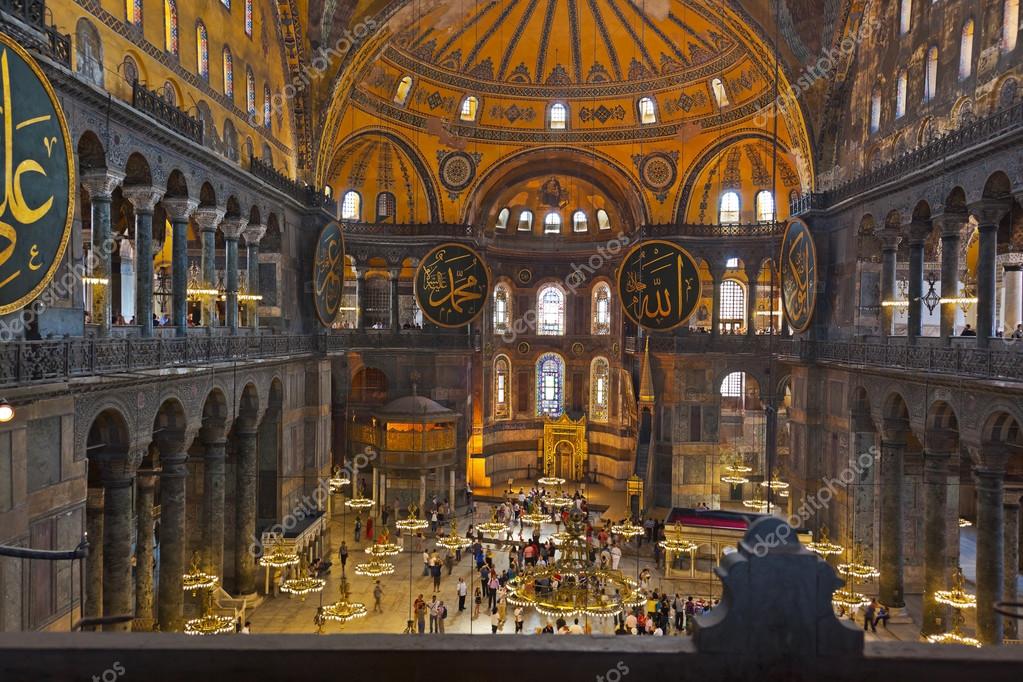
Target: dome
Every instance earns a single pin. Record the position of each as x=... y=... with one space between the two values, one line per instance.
x=418 y=407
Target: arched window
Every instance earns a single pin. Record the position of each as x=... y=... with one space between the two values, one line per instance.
x=88 y=52
x=170 y=95
x=558 y=117
x=133 y=12
x=402 y=91
x=170 y=26
x=550 y=384
x=250 y=92
x=552 y=223
x=931 y=74
x=228 y=73
x=502 y=387
x=728 y=212
x=966 y=51
x=900 y=95
x=470 y=106
x=248 y=18
x=1010 y=25
x=734 y=385
x=266 y=105
x=502 y=219
x=647 y=111
x=526 y=221
x=717 y=86
x=600 y=322
x=130 y=70
x=551 y=306
x=600 y=393
x=733 y=305
x=905 y=17
x=579 y=222
x=765 y=206
x=502 y=308
x=386 y=206
x=351 y=206
x=226 y=3
x=202 y=51
x=875 y=109
x=603 y=222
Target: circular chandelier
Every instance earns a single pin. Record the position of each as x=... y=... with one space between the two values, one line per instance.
x=412 y=523
x=454 y=542
x=559 y=501
x=735 y=472
x=209 y=623
x=858 y=569
x=964 y=523
x=849 y=600
x=493 y=526
x=375 y=568
x=342 y=610
x=337 y=480
x=279 y=557
x=627 y=530
x=678 y=544
x=534 y=518
x=571 y=585
x=196 y=579
x=550 y=481
x=957 y=597
x=302 y=586
x=823 y=546
x=359 y=503
x=775 y=484
x=383 y=547
x=956 y=636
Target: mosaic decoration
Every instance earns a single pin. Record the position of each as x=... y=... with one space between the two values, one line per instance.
x=657 y=171
x=524 y=275
x=451 y=285
x=513 y=113
x=457 y=169
x=601 y=113
x=37 y=210
x=520 y=74
x=248 y=18
x=434 y=100
x=523 y=348
x=798 y=275
x=329 y=273
x=761 y=177
x=545 y=37
x=659 y=285
x=732 y=179
x=170 y=25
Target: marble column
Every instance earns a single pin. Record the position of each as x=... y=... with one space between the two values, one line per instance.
x=393 y=275
x=94 y=563
x=144 y=496
x=751 y=300
x=451 y=490
x=918 y=232
x=889 y=253
x=232 y=229
x=100 y=184
x=207 y=218
x=715 y=315
x=213 y=499
x=422 y=495
x=118 y=592
x=1012 y=284
x=893 y=447
x=951 y=227
x=1010 y=592
x=253 y=234
x=245 y=510
x=360 y=298
x=143 y=199
x=179 y=211
x=376 y=509
x=989 y=215
x=936 y=463
x=173 y=538
x=990 y=550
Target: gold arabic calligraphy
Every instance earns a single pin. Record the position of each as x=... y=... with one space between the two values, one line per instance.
x=799 y=265
x=448 y=284
x=660 y=289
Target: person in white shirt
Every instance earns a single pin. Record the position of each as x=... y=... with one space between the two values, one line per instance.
x=575 y=628
x=616 y=556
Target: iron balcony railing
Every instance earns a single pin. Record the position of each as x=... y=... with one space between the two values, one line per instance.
x=149 y=102
x=738 y=230
x=26 y=21
x=696 y=343
x=356 y=229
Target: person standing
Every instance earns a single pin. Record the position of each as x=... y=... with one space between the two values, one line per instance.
x=433 y=614
x=358 y=528
x=420 y=610
x=495 y=620
x=435 y=572
x=369 y=528
x=616 y=556
x=868 y=616
x=426 y=562
x=342 y=555
x=477 y=603
x=463 y=589
x=518 y=619
x=442 y=613
x=378 y=593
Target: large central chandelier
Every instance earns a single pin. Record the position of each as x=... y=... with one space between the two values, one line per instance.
x=342 y=610
x=571 y=585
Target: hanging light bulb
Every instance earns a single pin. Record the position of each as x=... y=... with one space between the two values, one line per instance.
x=6 y=411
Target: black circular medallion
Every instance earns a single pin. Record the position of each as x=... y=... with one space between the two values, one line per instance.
x=451 y=286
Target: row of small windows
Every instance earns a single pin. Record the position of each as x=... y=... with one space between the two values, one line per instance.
x=351 y=206
x=133 y=15
x=557 y=113
x=1010 y=24
x=550 y=310
x=730 y=207
x=552 y=221
x=550 y=387
x=902 y=87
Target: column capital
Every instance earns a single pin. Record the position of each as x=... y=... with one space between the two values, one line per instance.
x=147 y=477
x=100 y=183
x=993 y=457
x=918 y=232
x=232 y=227
x=208 y=217
x=180 y=209
x=894 y=432
x=989 y=212
x=890 y=238
x=394 y=273
x=253 y=233
x=951 y=224
x=142 y=197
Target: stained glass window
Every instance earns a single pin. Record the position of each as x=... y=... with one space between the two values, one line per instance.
x=875 y=109
x=133 y=12
x=250 y=93
x=717 y=86
x=403 y=89
x=266 y=105
x=351 y=205
x=502 y=387
x=248 y=18
x=170 y=26
x=600 y=381
x=502 y=309
x=550 y=382
x=931 y=75
x=601 y=322
x=228 y=73
x=900 y=95
x=729 y=210
x=202 y=51
x=551 y=304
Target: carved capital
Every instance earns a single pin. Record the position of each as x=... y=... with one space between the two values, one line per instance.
x=101 y=183
x=989 y=212
x=919 y=231
x=208 y=217
x=180 y=209
x=232 y=227
x=951 y=224
x=890 y=239
x=253 y=233
x=142 y=197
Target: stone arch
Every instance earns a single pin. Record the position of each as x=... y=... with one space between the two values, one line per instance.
x=369 y=385
x=177 y=184
x=137 y=170
x=91 y=155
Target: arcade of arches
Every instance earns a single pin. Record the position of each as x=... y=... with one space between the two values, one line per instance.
x=185 y=406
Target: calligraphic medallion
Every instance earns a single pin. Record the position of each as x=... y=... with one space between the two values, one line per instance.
x=38 y=179
x=451 y=285
x=329 y=273
x=659 y=285
x=798 y=275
